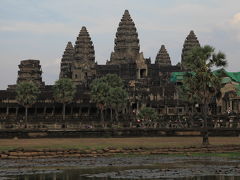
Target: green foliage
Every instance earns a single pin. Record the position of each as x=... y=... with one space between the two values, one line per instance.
x=117 y=97
x=148 y=114
x=112 y=80
x=202 y=84
x=99 y=92
x=64 y=90
x=27 y=93
x=108 y=92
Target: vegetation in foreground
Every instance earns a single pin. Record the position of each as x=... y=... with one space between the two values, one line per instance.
x=201 y=84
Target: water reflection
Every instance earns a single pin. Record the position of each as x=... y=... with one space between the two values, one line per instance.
x=77 y=176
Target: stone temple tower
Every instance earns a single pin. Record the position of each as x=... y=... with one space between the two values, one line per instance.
x=30 y=70
x=126 y=48
x=163 y=58
x=190 y=42
x=83 y=66
x=66 y=62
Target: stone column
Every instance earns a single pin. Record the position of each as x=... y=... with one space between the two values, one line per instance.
x=53 y=111
x=7 y=112
x=231 y=104
x=17 y=111
x=138 y=74
x=80 y=110
x=71 y=110
x=88 y=112
x=44 y=110
x=35 y=111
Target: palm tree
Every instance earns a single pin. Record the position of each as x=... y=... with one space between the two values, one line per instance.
x=117 y=99
x=99 y=94
x=64 y=92
x=108 y=92
x=201 y=84
x=27 y=94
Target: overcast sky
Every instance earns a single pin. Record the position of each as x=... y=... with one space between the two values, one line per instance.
x=40 y=29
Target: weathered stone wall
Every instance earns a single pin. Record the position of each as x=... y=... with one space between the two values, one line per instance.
x=127 y=132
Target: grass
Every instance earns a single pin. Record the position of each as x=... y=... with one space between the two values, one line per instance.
x=100 y=143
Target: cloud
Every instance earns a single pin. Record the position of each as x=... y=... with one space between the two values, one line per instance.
x=42 y=28
x=235 y=21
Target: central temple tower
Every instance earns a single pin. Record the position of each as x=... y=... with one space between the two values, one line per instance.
x=126 y=48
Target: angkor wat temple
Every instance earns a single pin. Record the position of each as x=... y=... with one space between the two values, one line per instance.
x=151 y=84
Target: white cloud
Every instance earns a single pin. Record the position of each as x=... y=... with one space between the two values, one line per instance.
x=36 y=27
x=235 y=21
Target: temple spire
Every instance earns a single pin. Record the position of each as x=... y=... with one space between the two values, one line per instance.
x=30 y=70
x=163 y=58
x=190 y=42
x=126 y=42
x=66 y=61
x=84 y=49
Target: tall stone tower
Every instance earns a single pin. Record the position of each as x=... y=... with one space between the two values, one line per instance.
x=83 y=66
x=163 y=58
x=190 y=42
x=84 y=49
x=126 y=48
x=66 y=62
x=30 y=70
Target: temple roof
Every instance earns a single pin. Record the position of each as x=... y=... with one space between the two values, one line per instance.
x=68 y=53
x=126 y=41
x=84 y=49
x=163 y=57
x=190 y=42
x=30 y=70
x=66 y=61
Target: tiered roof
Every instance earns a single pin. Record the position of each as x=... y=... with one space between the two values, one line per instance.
x=84 y=49
x=30 y=70
x=126 y=41
x=190 y=42
x=66 y=61
x=163 y=58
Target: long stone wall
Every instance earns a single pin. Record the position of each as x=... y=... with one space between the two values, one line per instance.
x=136 y=132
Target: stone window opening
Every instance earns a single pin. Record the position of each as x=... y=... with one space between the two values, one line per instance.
x=143 y=73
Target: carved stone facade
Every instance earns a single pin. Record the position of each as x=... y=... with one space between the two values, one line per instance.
x=126 y=49
x=163 y=58
x=78 y=62
x=148 y=84
x=30 y=70
x=66 y=62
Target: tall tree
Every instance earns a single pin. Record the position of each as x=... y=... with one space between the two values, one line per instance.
x=64 y=92
x=108 y=92
x=100 y=94
x=27 y=94
x=201 y=84
x=117 y=99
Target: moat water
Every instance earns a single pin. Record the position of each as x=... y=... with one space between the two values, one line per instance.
x=150 y=167
x=75 y=176
x=127 y=175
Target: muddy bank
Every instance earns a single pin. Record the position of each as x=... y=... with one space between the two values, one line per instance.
x=111 y=151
